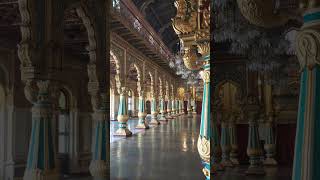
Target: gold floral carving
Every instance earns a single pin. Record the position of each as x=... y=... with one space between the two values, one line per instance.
x=261 y=13
x=204 y=148
x=307 y=47
x=205 y=75
x=186 y=19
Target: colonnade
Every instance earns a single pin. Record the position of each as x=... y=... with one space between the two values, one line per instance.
x=162 y=110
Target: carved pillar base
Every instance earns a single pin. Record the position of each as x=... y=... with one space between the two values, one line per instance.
x=169 y=116
x=163 y=119
x=98 y=169
x=142 y=122
x=270 y=146
x=270 y=161
x=154 y=120
x=123 y=132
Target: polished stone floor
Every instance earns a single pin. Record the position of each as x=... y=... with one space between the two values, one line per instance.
x=168 y=151
x=271 y=173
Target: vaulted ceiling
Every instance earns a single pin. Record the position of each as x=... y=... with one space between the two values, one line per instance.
x=159 y=14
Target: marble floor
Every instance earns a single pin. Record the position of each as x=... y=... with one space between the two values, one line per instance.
x=168 y=151
x=271 y=173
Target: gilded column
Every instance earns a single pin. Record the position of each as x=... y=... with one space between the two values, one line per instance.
x=41 y=161
x=123 y=115
x=98 y=164
x=142 y=124
x=307 y=147
x=154 y=112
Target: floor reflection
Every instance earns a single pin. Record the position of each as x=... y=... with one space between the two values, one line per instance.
x=167 y=151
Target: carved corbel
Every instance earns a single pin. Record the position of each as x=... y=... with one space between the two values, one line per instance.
x=190 y=58
x=31 y=91
x=261 y=13
x=307 y=47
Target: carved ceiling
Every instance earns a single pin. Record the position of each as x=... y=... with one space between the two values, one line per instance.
x=159 y=14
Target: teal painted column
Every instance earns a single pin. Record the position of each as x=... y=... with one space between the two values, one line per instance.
x=169 y=109
x=173 y=114
x=205 y=126
x=225 y=145
x=142 y=124
x=98 y=165
x=182 y=107
x=307 y=147
x=123 y=115
x=194 y=109
x=162 y=111
x=270 y=144
x=254 y=150
x=154 y=112
x=189 y=109
x=41 y=161
x=178 y=109
x=233 y=141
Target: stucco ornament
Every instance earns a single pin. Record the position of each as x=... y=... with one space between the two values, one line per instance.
x=261 y=13
x=186 y=19
x=307 y=47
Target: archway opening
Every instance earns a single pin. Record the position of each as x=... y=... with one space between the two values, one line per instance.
x=63 y=123
x=228 y=98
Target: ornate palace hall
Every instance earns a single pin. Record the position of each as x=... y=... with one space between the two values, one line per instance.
x=100 y=89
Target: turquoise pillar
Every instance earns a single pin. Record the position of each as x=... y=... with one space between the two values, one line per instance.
x=169 y=110
x=189 y=109
x=270 y=144
x=254 y=150
x=182 y=107
x=154 y=112
x=178 y=109
x=233 y=142
x=194 y=108
x=162 y=111
x=98 y=166
x=142 y=124
x=205 y=125
x=225 y=145
x=123 y=115
x=41 y=161
x=173 y=114
x=307 y=147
